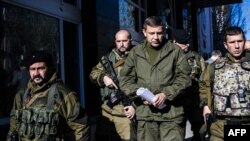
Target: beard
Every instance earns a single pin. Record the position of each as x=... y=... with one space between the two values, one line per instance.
x=38 y=80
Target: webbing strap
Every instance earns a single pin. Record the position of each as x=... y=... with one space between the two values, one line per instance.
x=32 y=100
x=51 y=96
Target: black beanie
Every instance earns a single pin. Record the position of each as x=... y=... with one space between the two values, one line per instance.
x=181 y=36
x=39 y=56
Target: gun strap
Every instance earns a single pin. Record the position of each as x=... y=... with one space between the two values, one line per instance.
x=51 y=94
x=32 y=100
x=119 y=63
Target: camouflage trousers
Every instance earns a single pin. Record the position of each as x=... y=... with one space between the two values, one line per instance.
x=159 y=131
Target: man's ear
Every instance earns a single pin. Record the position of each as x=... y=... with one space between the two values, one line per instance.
x=225 y=45
x=144 y=32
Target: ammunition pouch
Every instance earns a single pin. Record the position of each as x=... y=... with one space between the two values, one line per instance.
x=233 y=100
x=37 y=123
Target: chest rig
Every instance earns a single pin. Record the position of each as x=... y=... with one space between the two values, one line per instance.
x=37 y=119
x=231 y=89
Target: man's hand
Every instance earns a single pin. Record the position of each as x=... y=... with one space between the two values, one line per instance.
x=146 y=102
x=129 y=111
x=109 y=82
x=206 y=110
x=159 y=99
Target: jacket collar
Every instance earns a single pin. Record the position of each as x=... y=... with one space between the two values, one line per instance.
x=167 y=48
x=36 y=89
x=231 y=59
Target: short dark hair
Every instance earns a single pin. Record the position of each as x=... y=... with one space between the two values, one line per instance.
x=233 y=30
x=152 y=21
x=181 y=36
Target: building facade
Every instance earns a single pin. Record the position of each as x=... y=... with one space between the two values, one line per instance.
x=78 y=33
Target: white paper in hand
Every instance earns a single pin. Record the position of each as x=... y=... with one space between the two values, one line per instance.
x=148 y=96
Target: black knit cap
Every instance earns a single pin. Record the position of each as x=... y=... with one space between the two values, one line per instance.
x=39 y=56
x=181 y=36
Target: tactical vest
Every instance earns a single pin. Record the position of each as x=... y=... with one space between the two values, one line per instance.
x=231 y=88
x=39 y=121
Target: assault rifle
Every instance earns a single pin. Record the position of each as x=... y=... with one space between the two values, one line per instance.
x=208 y=123
x=119 y=94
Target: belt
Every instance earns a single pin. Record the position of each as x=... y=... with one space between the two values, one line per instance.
x=234 y=118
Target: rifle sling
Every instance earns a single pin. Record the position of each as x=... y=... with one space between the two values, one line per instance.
x=119 y=63
x=50 y=102
x=32 y=100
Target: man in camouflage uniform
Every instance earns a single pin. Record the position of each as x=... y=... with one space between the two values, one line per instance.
x=47 y=110
x=119 y=114
x=225 y=87
x=191 y=99
x=161 y=67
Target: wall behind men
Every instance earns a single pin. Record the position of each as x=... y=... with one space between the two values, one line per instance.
x=107 y=13
x=100 y=23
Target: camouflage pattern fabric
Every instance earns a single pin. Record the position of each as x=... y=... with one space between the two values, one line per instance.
x=229 y=80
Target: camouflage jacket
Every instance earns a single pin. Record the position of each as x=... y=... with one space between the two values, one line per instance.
x=169 y=74
x=225 y=87
x=38 y=122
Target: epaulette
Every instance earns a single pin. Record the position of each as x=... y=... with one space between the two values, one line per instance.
x=245 y=64
x=219 y=63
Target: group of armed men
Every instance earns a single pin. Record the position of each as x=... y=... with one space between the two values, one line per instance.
x=182 y=85
x=192 y=89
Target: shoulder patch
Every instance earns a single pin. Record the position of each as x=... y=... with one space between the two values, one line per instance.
x=246 y=65
x=220 y=63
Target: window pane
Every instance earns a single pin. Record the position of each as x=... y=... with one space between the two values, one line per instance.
x=72 y=2
x=22 y=31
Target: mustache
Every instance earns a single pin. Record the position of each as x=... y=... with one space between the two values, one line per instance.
x=37 y=76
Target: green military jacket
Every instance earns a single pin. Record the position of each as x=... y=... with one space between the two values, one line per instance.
x=169 y=74
x=221 y=84
x=97 y=74
x=71 y=117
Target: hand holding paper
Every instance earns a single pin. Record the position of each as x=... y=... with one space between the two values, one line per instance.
x=148 y=96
